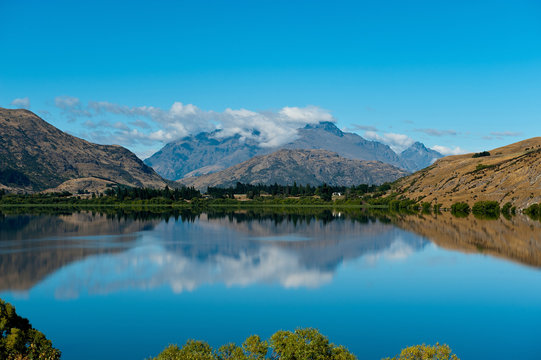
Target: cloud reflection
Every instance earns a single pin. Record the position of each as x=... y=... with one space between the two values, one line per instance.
x=240 y=250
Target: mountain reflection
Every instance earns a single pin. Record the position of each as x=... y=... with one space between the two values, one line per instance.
x=516 y=238
x=234 y=252
x=33 y=246
x=103 y=254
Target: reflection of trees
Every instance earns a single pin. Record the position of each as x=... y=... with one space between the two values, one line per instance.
x=515 y=238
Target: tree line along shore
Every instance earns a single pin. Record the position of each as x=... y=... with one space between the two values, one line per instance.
x=363 y=195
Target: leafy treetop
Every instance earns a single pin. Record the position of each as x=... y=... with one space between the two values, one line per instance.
x=301 y=344
x=19 y=340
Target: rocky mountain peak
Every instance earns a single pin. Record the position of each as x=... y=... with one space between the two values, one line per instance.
x=327 y=126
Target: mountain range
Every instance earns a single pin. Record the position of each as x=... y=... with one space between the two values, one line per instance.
x=209 y=152
x=34 y=156
x=287 y=166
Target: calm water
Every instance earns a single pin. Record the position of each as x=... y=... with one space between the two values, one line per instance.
x=112 y=287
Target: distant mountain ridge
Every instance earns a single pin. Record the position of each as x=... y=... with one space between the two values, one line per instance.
x=418 y=156
x=286 y=166
x=201 y=154
x=208 y=152
x=35 y=155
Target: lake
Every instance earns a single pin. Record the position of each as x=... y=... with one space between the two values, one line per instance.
x=125 y=285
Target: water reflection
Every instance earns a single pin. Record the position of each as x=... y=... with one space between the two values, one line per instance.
x=101 y=253
x=516 y=238
x=236 y=252
x=33 y=246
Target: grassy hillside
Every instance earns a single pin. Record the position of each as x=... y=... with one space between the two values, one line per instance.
x=508 y=174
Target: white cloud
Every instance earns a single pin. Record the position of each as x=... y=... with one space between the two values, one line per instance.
x=505 y=133
x=436 y=132
x=365 y=127
x=269 y=129
x=71 y=107
x=397 y=142
x=444 y=150
x=266 y=128
x=176 y=122
x=65 y=102
x=21 y=103
x=307 y=115
x=140 y=124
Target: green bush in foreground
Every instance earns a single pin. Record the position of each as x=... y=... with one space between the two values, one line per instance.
x=426 y=352
x=286 y=345
x=19 y=340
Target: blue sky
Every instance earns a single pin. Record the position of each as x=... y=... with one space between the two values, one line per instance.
x=464 y=75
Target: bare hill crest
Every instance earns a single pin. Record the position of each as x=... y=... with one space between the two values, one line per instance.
x=34 y=156
x=510 y=173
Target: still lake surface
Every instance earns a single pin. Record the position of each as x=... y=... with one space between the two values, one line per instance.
x=124 y=286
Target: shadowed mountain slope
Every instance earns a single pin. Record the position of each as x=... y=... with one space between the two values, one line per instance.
x=34 y=156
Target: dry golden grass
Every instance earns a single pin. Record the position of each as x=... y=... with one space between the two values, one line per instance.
x=510 y=174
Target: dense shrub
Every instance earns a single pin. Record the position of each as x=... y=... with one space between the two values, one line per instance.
x=19 y=340
x=481 y=154
x=426 y=352
x=480 y=167
x=533 y=210
x=403 y=205
x=460 y=208
x=487 y=208
x=285 y=345
x=302 y=344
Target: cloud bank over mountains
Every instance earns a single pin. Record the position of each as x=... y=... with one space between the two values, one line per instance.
x=444 y=150
x=145 y=129
x=397 y=142
x=267 y=128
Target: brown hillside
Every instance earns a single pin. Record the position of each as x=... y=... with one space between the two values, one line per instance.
x=510 y=174
x=34 y=156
